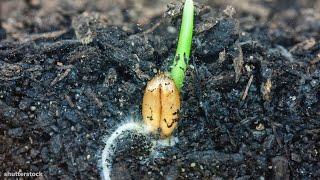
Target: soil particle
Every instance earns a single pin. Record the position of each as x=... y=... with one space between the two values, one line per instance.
x=214 y=40
x=2 y=33
x=15 y=133
x=280 y=167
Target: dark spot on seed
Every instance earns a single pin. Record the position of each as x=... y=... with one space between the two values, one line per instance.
x=171 y=124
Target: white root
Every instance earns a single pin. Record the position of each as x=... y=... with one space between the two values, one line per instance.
x=108 y=150
x=137 y=127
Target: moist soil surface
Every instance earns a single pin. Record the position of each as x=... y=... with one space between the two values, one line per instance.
x=71 y=72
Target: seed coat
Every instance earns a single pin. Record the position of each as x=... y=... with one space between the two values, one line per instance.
x=161 y=104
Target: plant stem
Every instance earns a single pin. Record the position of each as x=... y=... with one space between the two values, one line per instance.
x=182 y=56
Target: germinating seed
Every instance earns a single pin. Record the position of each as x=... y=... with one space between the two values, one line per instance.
x=161 y=104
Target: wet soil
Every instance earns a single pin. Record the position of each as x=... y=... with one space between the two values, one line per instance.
x=73 y=71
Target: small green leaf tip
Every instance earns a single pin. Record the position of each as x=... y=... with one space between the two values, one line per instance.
x=181 y=60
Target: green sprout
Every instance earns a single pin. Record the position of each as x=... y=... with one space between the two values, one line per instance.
x=181 y=60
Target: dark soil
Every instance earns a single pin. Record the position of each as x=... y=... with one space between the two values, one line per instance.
x=73 y=71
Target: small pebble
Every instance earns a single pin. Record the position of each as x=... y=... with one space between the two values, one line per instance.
x=171 y=29
x=260 y=127
x=174 y=157
x=193 y=164
x=154 y=70
x=33 y=108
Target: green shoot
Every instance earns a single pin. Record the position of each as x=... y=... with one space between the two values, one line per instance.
x=182 y=56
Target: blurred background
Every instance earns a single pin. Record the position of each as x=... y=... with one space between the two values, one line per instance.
x=38 y=16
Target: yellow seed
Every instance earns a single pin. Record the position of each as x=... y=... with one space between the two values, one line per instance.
x=161 y=104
